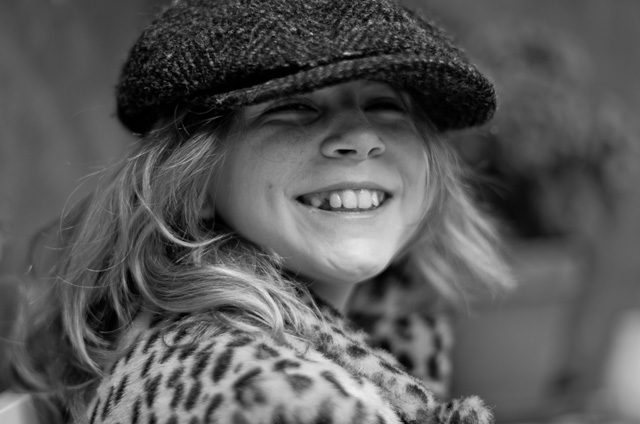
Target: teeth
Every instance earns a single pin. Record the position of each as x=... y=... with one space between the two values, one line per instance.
x=335 y=201
x=345 y=199
x=315 y=201
x=364 y=200
x=349 y=199
x=374 y=199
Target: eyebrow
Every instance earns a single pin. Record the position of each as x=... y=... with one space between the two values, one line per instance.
x=369 y=83
x=398 y=91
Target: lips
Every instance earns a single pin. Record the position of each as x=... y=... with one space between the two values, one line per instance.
x=350 y=200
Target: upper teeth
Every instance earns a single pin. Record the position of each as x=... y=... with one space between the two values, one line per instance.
x=347 y=199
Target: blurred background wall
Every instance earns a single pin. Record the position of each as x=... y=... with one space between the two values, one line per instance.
x=59 y=60
x=58 y=65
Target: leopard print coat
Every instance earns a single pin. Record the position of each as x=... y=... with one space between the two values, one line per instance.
x=178 y=371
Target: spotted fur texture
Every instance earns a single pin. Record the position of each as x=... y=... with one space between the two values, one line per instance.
x=411 y=321
x=179 y=371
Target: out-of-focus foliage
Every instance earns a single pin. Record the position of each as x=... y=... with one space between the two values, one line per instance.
x=559 y=152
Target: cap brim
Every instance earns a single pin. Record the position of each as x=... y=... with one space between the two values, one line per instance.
x=456 y=94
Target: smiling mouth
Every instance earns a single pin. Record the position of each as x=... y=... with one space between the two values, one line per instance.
x=345 y=200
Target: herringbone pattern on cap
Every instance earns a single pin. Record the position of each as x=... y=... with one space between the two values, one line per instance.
x=223 y=54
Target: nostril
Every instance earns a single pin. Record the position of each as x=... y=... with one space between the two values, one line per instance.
x=358 y=144
x=346 y=152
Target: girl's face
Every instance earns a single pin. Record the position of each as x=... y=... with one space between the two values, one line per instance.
x=333 y=181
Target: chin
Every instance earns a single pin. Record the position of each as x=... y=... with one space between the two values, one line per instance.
x=341 y=271
x=356 y=270
x=352 y=262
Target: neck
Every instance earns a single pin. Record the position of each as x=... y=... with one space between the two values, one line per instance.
x=336 y=294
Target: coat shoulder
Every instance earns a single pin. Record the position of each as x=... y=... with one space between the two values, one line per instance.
x=177 y=372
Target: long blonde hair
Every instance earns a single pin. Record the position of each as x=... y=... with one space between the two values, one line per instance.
x=138 y=242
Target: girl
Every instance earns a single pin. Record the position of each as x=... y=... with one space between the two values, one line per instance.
x=289 y=169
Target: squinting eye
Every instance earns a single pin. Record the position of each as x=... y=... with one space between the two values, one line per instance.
x=291 y=107
x=386 y=106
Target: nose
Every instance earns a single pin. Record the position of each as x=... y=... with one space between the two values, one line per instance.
x=352 y=137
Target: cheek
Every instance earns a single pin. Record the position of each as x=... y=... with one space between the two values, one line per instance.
x=246 y=167
x=412 y=158
x=254 y=181
x=414 y=166
x=417 y=164
x=280 y=146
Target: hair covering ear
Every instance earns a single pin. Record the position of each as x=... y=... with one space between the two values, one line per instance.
x=207 y=211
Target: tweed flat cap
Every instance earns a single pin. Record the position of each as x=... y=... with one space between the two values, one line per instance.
x=224 y=54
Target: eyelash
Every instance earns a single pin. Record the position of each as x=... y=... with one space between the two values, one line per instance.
x=291 y=107
x=300 y=106
x=387 y=105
